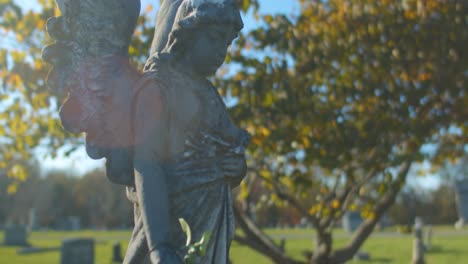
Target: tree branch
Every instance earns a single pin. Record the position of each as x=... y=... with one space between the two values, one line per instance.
x=358 y=238
x=257 y=240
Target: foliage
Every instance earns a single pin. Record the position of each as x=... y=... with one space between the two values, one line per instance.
x=58 y=195
x=418 y=203
x=196 y=249
x=350 y=93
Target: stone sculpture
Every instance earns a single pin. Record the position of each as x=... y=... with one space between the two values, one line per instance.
x=165 y=133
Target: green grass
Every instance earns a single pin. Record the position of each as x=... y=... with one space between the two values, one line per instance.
x=449 y=248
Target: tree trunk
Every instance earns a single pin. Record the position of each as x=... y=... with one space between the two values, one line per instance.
x=257 y=240
x=323 y=248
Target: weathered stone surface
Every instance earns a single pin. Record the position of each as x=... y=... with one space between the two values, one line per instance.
x=77 y=251
x=16 y=236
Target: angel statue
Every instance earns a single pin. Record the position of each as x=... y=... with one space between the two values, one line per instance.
x=165 y=132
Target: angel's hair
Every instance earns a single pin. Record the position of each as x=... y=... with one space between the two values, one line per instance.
x=192 y=17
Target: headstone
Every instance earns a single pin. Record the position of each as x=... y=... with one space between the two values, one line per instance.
x=362 y=256
x=418 y=224
x=303 y=223
x=351 y=221
x=461 y=192
x=75 y=223
x=384 y=222
x=460 y=224
x=429 y=237
x=33 y=220
x=418 y=244
x=282 y=244
x=77 y=251
x=418 y=251
x=16 y=236
x=117 y=253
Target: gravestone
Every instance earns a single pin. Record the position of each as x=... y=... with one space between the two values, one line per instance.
x=33 y=223
x=461 y=192
x=418 y=242
x=351 y=221
x=77 y=251
x=429 y=237
x=16 y=236
x=362 y=256
x=282 y=244
x=117 y=253
x=75 y=223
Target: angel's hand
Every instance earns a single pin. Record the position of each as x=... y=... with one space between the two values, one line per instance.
x=234 y=168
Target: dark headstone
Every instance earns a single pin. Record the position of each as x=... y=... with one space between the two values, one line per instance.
x=117 y=253
x=77 y=251
x=362 y=256
x=282 y=244
x=16 y=236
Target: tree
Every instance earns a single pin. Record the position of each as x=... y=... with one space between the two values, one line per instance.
x=100 y=203
x=358 y=89
x=413 y=203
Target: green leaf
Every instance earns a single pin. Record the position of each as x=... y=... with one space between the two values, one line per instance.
x=186 y=228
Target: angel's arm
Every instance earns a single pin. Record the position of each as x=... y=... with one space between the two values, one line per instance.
x=150 y=180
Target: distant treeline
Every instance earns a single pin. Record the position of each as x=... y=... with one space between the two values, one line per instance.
x=60 y=195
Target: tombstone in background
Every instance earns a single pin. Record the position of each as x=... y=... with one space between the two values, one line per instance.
x=117 y=253
x=351 y=221
x=74 y=223
x=77 y=251
x=33 y=221
x=418 y=244
x=461 y=192
x=384 y=222
x=429 y=237
x=16 y=235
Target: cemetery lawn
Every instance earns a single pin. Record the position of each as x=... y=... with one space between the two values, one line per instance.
x=448 y=246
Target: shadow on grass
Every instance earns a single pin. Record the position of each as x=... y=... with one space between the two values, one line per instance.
x=441 y=250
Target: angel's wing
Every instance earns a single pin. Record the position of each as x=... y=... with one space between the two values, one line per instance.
x=164 y=23
x=88 y=28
